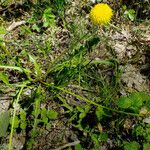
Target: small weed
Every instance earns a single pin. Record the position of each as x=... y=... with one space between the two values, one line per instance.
x=130 y=13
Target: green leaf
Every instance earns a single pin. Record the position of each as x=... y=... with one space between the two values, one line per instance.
x=51 y=114
x=131 y=146
x=4 y=122
x=35 y=27
x=82 y=115
x=43 y=112
x=25 y=30
x=130 y=14
x=148 y=104
x=147 y=131
x=94 y=138
x=2 y=30
x=23 y=115
x=48 y=126
x=45 y=120
x=11 y=68
x=26 y=71
x=36 y=66
x=137 y=99
x=139 y=131
x=23 y=125
x=30 y=143
x=48 y=18
x=144 y=96
x=103 y=137
x=36 y=111
x=78 y=147
x=16 y=122
x=23 y=121
x=67 y=106
x=101 y=62
x=146 y=146
x=99 y=113
x=45 y=24
x=80 y=109
x=131 y=17
x=124 y=102
x=124 y=7
x=4 y=78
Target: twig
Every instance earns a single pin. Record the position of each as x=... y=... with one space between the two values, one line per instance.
x=5 y=98
x=15 y=25
x=67 y=145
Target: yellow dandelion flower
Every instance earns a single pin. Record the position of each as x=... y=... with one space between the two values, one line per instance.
x=101 y=14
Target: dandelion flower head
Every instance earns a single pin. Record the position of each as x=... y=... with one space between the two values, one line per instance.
x=101 y=14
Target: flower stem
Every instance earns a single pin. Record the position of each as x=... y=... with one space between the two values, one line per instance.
x=90 y=101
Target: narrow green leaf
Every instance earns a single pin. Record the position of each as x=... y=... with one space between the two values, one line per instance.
x=4 y=122
x=4 y=78
x=11 y=68
x=37 y=68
